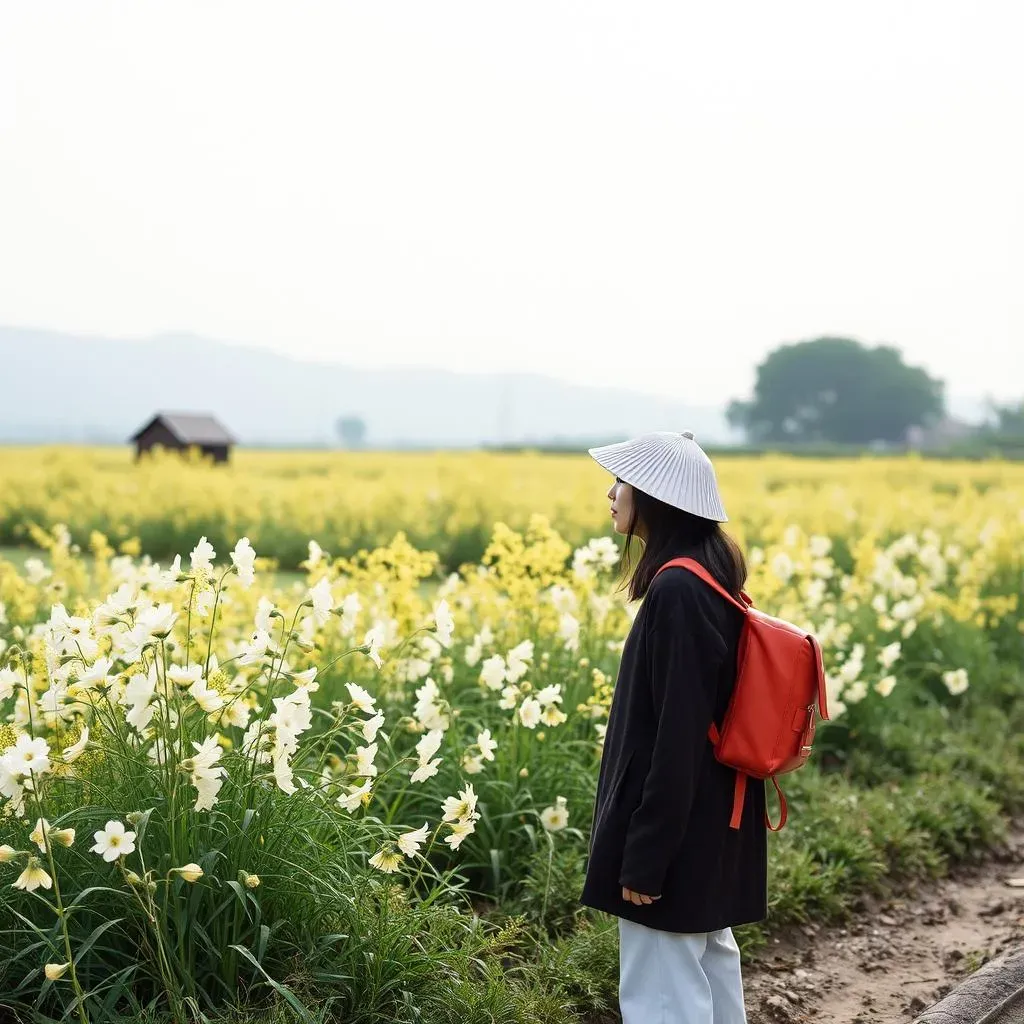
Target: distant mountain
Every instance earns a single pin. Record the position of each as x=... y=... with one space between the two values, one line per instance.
x=100 y=390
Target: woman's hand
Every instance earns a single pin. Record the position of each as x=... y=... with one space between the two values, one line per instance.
x=637 y=897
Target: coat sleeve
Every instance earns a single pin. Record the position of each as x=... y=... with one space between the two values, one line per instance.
x=685 y=651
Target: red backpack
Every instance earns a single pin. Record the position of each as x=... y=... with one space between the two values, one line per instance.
x=780 y=681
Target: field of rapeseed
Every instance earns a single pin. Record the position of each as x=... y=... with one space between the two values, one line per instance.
x=448 y=502
x=365 y=795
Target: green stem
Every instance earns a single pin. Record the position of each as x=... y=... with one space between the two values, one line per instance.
x=61 y=916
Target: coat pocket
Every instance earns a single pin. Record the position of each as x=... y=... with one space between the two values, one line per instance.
x=614 y=788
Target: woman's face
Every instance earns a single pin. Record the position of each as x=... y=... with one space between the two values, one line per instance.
x=621 y=496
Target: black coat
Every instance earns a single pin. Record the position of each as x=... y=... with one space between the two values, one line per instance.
x=661 y=818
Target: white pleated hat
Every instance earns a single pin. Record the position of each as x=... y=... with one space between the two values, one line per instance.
x=670 y=467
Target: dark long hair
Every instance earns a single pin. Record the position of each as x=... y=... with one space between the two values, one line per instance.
x=669 y=532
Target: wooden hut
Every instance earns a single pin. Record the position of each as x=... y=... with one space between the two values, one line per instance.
x=182 y=431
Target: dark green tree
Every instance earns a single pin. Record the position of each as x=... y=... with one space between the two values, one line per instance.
x=837 y=390
x=1009 y=419
x=352 y=431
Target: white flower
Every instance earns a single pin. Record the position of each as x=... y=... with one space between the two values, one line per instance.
x=323 y=601
x=462 y=807
x=33 y=877
x=237 y=714
x=555 y=818
x=855 y=692
x=563 y=599
x=244 y=558
x=9 y=679
x=885 y=686
x=264 y=608
x=35 y=571
x=73 y=752
x=782 y=567
x=372 y=641
x=205 y=602
x=429 y=745
x=365 y=756
x=889 y=655
x=492 y=674
x=371 y=726
x=315 y=554
x=362 y=700
x=956 y=681
x=284 y=776
x=256 y=648
x=203 y=556
x=137 y=697
x=356 y=796
x=473 y=652
x=569 y=631
x=509 y=698
x=410 y=842
x=62 y=836
x=209 y=700
x=445 y=624
x=387 y=860
x=184 y=677
x=472 y=764
x=460 y=830
x=207 y=786
x=820 y=546
x=29 y=756
x=517 y=660
x=351 y=606
x=158 y=620
x=552 y=715
x=113 y=842
x=207 y=776
x=426 y=770
x=550 y=694
x=306 y=680
x=530 y=712
x=428 y=710
x=487 y=745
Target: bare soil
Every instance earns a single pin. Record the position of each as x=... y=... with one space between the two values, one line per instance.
x=896 y=957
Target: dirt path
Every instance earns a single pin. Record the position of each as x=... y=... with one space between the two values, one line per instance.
x=897 y=957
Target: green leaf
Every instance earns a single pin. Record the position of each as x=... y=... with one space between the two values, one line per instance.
x=94 y=935
x=282 y=990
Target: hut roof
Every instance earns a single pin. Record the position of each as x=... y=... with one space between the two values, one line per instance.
x=189 y=428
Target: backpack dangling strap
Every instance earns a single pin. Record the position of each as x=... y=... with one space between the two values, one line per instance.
x=784 y=810
x=738 y=798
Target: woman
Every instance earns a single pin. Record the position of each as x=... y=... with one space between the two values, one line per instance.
x=663 y=858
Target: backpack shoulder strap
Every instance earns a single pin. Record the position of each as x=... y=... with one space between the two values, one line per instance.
x=699 y=571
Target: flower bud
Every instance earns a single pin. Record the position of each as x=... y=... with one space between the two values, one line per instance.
x=190 y=872
x=54 y=972
x=523 y=772
x=249 y=881
x=64 y=836
x=7 y=854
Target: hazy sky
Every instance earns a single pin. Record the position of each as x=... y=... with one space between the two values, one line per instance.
x=647 y=194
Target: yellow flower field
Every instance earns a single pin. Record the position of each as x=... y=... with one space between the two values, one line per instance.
x=224 y=776
x=448 y=502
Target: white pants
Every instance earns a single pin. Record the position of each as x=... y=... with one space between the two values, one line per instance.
x=671 y=978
